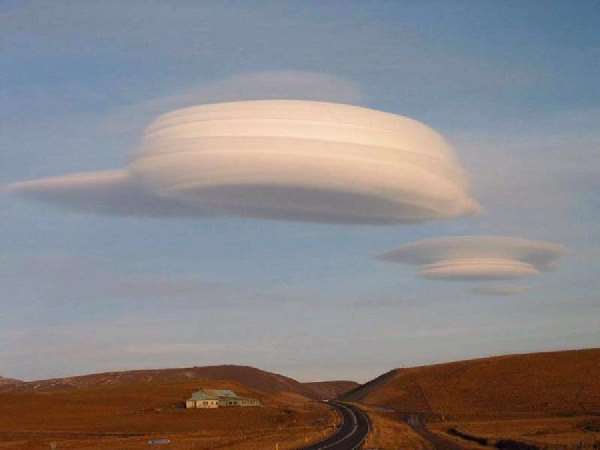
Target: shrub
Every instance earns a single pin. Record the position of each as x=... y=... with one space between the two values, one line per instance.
x=509 y=444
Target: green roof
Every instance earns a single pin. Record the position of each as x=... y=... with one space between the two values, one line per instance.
x=217 y=394
x=221 y=392
x=201 y=395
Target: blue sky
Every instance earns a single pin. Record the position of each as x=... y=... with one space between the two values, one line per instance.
x=513 y=85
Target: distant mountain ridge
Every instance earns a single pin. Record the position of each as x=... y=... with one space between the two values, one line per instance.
x=251 y=377
x=559 y=383
x=256 y=379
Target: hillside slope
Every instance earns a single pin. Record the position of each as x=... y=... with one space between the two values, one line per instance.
x=553 y=383
x=8 y=381
x=250 y=377
x=327 y=390
x=126 y=409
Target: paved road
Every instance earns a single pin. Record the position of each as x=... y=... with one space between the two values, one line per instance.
x=350 y=435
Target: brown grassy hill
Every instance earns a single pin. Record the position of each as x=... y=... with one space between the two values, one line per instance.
x=327 y=390
x=553 y=383
x=250 y=377
x=8 y=381
x=125 y=409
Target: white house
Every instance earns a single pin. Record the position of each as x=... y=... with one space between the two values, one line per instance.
x=218 y=398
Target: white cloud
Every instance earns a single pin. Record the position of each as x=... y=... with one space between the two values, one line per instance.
x=466 y=258
x=278 y=159
x=276 y=84
x=106 y=192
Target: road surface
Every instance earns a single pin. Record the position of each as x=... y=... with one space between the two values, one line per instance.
x=352 y=432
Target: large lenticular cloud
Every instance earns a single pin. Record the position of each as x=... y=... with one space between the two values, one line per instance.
x=477 y=258
x=277 y=159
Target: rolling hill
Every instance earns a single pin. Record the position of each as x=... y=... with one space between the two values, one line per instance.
x=327 y=390
x=8 y=381
x=126 y=409
x=553 y=383
x=250 y=377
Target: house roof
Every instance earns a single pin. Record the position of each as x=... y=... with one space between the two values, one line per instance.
x=217 y=394
x=202 y=395
x=220 y=392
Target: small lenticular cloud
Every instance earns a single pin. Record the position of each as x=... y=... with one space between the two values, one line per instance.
x=277 y=159
x=498 y=290
x=476 y=258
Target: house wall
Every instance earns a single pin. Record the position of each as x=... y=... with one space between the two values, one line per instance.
x=201 y=404
x=207 y=404
x=222 y=402
x=229 y=402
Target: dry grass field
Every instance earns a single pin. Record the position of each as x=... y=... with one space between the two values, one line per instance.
x=125 y=410
x=539 y=384
x=549 y=400
x=551 y=433
x=390 y=434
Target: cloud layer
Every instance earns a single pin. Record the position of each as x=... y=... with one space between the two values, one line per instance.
x=498 y=290
x=111 y=192
x=474 y=258
x=277 y=159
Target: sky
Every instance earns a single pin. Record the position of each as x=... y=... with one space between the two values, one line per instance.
x=512 y=85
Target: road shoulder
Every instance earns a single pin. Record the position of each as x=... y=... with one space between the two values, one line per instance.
x=390 y=433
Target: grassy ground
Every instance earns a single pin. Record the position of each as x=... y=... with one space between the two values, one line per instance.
x=126 y=416
x=581 y=432
x=391 y=434
x=550 y=384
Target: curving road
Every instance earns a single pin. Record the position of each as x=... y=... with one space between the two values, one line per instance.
x=352 y=432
